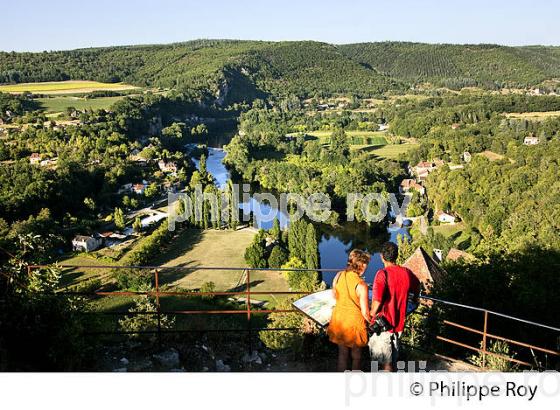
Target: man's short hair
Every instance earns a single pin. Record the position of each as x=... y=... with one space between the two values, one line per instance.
x=390 y=252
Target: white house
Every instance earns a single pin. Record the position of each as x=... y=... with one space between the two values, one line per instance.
x=35 y=158
x=167 y=166
x=444 y=217
x=139 y=189
x=532 y=140
x=84 y=243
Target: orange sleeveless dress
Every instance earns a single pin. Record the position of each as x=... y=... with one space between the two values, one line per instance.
x=347 y=326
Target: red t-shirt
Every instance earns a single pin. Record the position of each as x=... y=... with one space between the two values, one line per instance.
x=392 y=291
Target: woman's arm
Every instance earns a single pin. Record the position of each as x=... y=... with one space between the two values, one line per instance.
x=362 y=292
x=335 y=280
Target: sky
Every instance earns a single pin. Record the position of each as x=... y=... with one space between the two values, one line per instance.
x=37 y=25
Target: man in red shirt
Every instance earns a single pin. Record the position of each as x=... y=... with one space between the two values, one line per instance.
x=391 y=288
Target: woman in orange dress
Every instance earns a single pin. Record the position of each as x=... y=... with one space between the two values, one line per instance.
x=350 y=315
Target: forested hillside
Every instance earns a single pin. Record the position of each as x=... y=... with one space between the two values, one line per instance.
x=457 y=66
x=244 y=70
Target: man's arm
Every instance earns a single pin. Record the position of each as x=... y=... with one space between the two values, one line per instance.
x=375 y=305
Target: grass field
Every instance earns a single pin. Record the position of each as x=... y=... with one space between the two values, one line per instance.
x=533 y=116
x=378 y=137
x=76 y=276
x=448 y=230
x=211 y=248
x=63 y=87
x=59 y=104
x=392 y=151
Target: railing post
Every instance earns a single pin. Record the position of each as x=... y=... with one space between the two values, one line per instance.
x=484 y=331
x=249 y=311
x=158 y=307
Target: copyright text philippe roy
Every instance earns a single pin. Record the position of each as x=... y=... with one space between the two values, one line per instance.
x=361 y=388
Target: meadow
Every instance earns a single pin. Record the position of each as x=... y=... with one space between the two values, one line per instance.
x=60 y=104
x=392 y=151
x=64 y=87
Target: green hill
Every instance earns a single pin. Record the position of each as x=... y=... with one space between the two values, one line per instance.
x=242 y=70
x=456 y=66
x=246 y=68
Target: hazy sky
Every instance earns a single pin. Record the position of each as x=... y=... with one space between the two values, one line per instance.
x=35 y=25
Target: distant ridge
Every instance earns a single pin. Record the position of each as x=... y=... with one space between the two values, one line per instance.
x=249 y=69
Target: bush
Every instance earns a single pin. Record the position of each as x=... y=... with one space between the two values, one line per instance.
x=306 y=281
x=208 y=287
x=134 y=280
x=494 y=362
x=144 y=322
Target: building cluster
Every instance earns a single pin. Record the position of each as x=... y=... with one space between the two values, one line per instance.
x=89 y=243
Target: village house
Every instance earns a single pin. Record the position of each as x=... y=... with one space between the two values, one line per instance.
x=455 y=254
x=467 y=156
x=49 y=162
x=139 y=189
x=136 y=157
x=423 y=168
x=445 y=217
x=167 y=166
x=35 y=158
x=531 y=140
x=410 y=184
x=424 y=268
x=82 y=243
x=455 y=126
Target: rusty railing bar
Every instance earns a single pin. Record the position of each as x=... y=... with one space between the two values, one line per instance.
x=476 y=349
x=163 y=267
x=491 y=312
x=492 y=336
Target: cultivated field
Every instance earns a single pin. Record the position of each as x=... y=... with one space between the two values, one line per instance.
x=533 y=116
x=60 y=104
x=64 y=87
x=392 y=151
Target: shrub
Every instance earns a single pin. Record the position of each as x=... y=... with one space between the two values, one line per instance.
x=494 y=362
x=135 y=280
x=144 y=322
x=208 y=287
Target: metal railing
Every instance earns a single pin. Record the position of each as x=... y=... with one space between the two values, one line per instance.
x=250 y=311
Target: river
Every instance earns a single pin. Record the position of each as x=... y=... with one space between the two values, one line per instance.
x=335 y=243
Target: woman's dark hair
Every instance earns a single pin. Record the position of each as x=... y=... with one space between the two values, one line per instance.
x=356 y=259
x=390 y=252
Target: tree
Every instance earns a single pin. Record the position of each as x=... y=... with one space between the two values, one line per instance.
x=118 y=218
x=255 y=255
x=297 y=232
x=137 y=225
x=89 y=203
x=151 y=190
x=339 y=147
x=300 y=280
x=278 y=257
x=311 y=248
x=275 y=231
x=175 y=130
